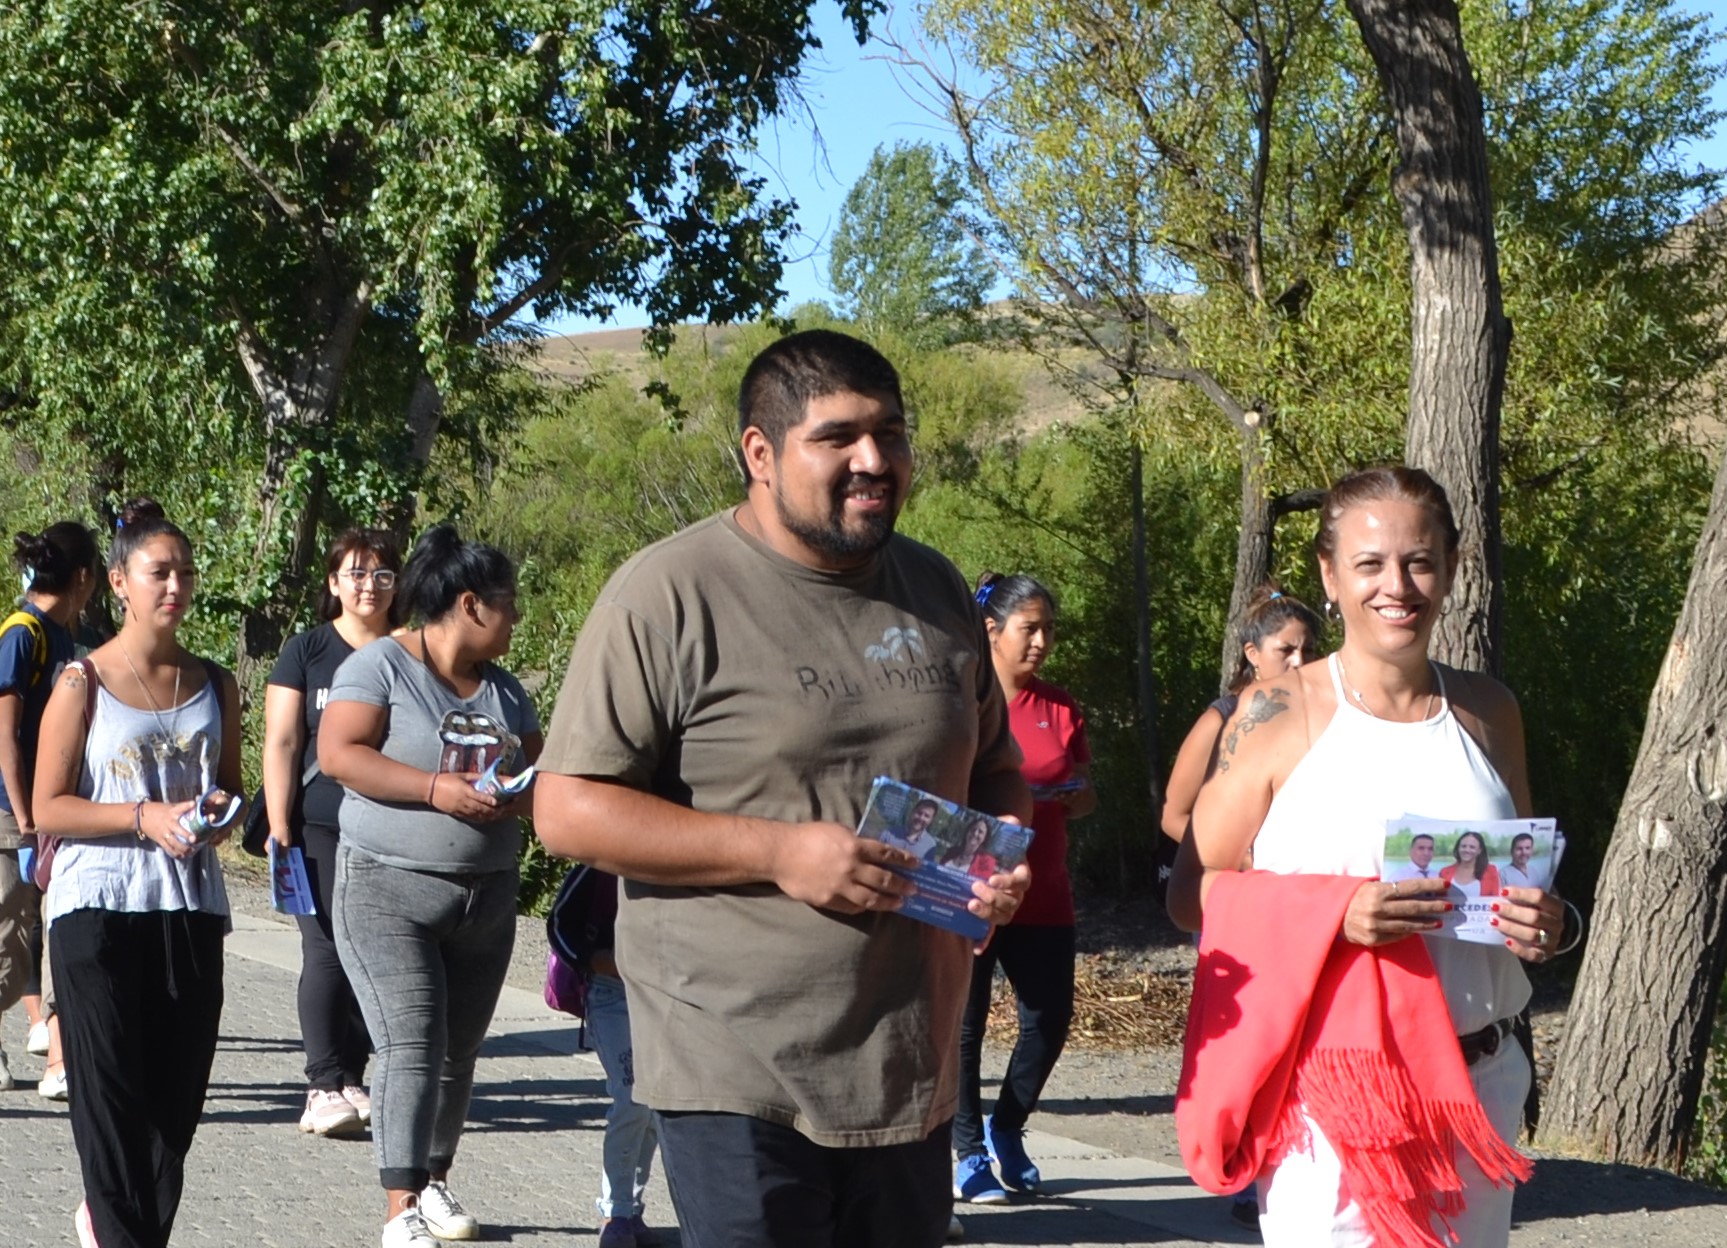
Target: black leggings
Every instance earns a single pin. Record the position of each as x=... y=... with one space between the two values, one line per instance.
x=140 y=1033
x=331 y=1026
x=1038 y=962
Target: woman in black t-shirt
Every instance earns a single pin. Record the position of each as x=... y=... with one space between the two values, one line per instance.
x=359 y=607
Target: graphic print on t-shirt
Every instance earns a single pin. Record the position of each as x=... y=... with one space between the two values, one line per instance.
x=472 y=741
x=898 y=663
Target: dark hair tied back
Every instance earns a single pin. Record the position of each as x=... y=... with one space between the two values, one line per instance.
x=1388 y=483
x=443 y=567
x=51 y=560
x=1000 y=596
x=1270 y=611
x=138 y=521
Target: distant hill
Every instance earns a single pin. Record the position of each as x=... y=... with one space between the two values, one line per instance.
x=572 y=358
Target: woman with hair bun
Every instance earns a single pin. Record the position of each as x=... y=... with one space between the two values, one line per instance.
x=358 y=608
x=426 y=880
x=59 y=567
x=1278 y=633
x=135 y=738
x=1036 y=950
x=1367 y=1079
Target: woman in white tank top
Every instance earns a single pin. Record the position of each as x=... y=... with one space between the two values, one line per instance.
x=1309 y=769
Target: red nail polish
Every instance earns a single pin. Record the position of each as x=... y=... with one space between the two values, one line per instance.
x=1505 y=892
x=1496 y=907
x=1449 y=906
x=1511 y=944
x=1495 y=922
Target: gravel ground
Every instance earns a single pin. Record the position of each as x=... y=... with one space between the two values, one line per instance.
x=1123 y=1099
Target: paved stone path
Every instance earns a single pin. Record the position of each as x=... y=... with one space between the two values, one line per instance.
x=529 y=1163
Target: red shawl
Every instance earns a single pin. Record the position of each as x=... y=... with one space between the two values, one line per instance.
x=1287 y=1016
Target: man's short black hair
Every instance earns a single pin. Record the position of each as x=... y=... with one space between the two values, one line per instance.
x=1420 y=836
x=811 y=364
x=1522 y=836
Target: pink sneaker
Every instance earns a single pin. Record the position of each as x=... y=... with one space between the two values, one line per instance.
x=86 y=1228
x=328 y=1113
x=362 y=1103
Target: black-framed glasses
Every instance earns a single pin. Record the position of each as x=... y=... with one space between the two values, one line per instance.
x=381 y=578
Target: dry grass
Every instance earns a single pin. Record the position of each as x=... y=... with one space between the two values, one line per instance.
x=1116 y=1006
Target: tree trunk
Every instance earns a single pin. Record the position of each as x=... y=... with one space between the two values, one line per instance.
x=1630 y=1069
x=1145 y=676
x=298 y=401
x=425 y=416
x=1252 y=548
x=1460 y=334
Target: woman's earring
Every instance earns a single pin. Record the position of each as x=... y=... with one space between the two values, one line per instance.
x=1329 y=611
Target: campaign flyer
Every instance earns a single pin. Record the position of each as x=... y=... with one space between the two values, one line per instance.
x=1478 y=858
x=957 y=845
x=290 y=890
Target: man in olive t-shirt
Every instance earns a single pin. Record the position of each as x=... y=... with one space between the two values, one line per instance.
x=733 y=694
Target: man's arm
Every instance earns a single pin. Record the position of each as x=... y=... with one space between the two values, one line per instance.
x=638 y=836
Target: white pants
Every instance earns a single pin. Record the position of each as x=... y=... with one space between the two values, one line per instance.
x=1300 y=1202
x=628 y=1149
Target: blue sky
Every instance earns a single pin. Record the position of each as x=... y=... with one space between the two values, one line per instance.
x=853 y=100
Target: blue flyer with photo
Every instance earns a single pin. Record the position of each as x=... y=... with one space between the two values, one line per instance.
x=957 y=845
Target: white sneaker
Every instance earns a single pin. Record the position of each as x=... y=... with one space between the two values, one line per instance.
x=328 y=1113
x=52 y=1086
x=444 y=1213
x=358 y=1098
x=37 y=1044
x=6 y=1083
x=408 y=1230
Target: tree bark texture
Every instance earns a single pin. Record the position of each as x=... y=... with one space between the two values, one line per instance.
x=298 y=400
x=1252 y=549
x=1630 y=1070
x=1460 y=335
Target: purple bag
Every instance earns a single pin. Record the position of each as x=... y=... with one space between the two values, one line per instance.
x=566 y=986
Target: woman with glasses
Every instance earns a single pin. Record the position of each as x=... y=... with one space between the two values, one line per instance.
x=358 y=607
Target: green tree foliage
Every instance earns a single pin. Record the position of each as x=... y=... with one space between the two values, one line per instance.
x=1199 y=194
x=901 y=259
x=219 y=218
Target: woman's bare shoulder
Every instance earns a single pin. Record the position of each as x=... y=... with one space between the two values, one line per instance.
x=1271 y=727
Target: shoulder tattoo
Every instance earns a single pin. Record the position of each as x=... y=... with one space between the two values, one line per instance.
x=72 y=677
x=1266 y=705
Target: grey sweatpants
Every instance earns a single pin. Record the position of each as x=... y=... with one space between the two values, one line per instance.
x=426 y=953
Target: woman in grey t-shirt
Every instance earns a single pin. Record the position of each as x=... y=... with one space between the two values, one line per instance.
x=425 y=899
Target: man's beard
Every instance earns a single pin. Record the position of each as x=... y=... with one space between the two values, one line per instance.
x=830 y=536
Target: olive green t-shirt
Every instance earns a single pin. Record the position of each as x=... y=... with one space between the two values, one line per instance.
x=719 y=675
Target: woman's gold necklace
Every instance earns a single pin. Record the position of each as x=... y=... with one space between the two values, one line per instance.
x=155 y=707
x=1362 y=702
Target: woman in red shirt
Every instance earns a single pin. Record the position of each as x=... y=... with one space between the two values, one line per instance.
x=1036 y=950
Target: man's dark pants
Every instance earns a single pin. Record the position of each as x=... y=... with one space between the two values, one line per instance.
x=742 y=1182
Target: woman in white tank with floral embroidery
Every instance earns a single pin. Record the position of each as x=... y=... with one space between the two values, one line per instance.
x=1309 y=769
